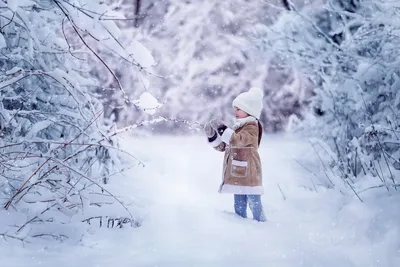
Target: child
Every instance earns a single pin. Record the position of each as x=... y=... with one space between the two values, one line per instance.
x=242 y=174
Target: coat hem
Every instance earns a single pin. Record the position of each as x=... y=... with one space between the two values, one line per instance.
x=241 y=190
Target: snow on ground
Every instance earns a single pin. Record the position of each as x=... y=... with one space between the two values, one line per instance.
x=186 y=222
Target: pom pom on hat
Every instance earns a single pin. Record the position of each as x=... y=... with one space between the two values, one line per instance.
x=257 y=91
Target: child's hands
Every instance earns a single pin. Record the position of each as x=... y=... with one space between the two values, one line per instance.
x=218 y=125
x=209 y=131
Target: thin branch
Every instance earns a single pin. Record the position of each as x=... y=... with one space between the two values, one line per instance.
x=9 y=22
x=35 y=217
x=94 y=52
x=60 y=237
x=284 y=197
x=87 y=11
x=24 y=74
x=22 y=187
x=375 y=133
x=378 y=186
x=312 y=181
x=5 y=236
x=323 y=165
x=63 y=145
x=315 y=26
x=94 y=182
x=66 y=40
x=386 y=160
x=84 y=130
x=352 y=188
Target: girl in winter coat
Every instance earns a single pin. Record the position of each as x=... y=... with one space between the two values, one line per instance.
x=242 y=174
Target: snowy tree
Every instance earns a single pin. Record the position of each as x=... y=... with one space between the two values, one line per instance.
x=348 y=48
x=130 y=61
x=204 y=62
x=57 y=151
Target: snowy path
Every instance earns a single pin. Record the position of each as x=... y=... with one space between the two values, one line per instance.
x=186 y=226
x=185 y=223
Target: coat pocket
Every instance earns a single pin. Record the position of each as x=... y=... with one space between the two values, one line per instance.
x=239 y=161
x=239 y=168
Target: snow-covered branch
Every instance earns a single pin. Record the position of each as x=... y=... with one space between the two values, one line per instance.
x=350 y=52
x=56 y=152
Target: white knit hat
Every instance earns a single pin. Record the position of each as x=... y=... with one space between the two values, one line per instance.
x=251 y=102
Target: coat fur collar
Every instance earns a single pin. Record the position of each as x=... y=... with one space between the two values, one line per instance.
x=240 y=122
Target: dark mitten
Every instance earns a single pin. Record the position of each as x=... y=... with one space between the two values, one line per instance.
x=218 y=125
x=210 y=132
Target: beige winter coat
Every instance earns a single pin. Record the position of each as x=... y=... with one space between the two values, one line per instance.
x=242 y=172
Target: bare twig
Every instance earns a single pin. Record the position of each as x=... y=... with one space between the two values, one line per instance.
x=9 y=22
x=22 y=187
x=384 y=156
x=352 y=188
x=378 y=186
x=127 y=100
x=63 y=145
x=284 y=197
x=94 y=182
x=323 y=165
x=59 y=237
x=376 y=134
x=334 y=160
x=35 y=217
x=312 y=181
x=66 y=40
x=327 y=38
x=5 y=236
x=27 y=73
x=88 y=11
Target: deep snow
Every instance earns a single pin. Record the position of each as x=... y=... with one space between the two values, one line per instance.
x=186 y=222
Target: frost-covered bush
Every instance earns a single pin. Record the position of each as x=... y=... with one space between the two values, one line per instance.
x=57 y=151
x=349 y=49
